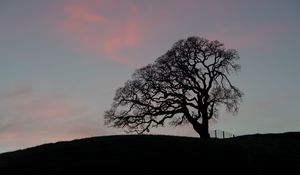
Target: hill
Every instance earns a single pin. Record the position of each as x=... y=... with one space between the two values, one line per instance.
x=137 y=154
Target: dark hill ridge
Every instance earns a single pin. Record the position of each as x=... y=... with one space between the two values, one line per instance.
x=137 y=154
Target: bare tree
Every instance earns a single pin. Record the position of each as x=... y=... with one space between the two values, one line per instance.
x=188 y=84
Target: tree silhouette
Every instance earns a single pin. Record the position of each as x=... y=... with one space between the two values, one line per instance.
x=188 y=84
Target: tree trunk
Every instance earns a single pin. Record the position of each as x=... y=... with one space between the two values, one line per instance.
x=202 y=130
x=203 y=127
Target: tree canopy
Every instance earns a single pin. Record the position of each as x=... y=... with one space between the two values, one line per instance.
x=188 y=84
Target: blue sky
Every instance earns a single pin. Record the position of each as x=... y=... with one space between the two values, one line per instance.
x=62 y=60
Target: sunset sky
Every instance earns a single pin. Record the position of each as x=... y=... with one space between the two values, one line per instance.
x=62 y=60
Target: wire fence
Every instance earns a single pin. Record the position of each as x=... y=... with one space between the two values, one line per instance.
x=221 y=134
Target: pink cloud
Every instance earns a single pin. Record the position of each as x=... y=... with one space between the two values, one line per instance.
x=32 y=117
x=53 y=110
x=17 y=92
x=43 y=136
x=8 y=136
x=126 y=36
x=126 y=31
x=78 y=23
x=14 y=140
x=132 y=35
x=22 y=134
x=82 y=13
x=34 y=105
x=88 y=26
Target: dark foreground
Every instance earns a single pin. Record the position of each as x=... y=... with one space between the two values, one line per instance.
x=253 y=154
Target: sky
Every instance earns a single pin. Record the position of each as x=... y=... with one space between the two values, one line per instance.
x=61 y=62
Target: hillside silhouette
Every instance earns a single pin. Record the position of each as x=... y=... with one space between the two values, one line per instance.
x=139 y=154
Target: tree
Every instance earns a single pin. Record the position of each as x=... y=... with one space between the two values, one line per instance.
x=188 y=84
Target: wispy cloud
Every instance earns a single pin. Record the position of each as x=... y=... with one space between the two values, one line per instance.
x=126 y=31
x=38 y=117
x=35 y=105
x=126 y=36
x=17 y=92
x=109 y=35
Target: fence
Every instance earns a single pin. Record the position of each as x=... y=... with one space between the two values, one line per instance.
x=220 y=134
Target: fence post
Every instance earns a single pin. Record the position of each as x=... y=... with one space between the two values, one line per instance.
x=223 y=134
x=216 y=134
